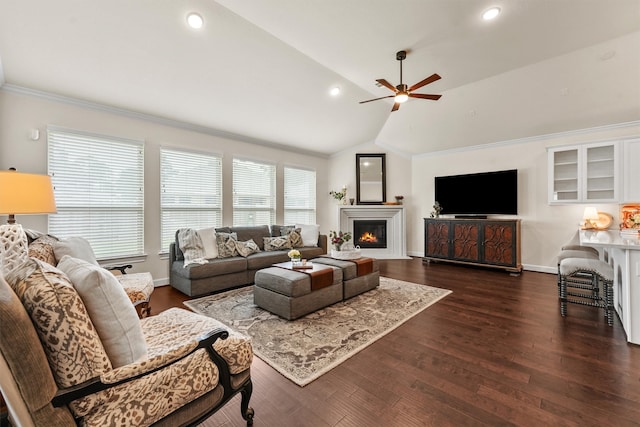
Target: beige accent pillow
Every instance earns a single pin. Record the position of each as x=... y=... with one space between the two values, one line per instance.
x=227 y=244
x=277 y=243
x=247 y=248
x=110 y=310
x=295 y=238
x=209 y=243
x=42 y=249
x=68 y=337
x=76 y=247
x=309 y=233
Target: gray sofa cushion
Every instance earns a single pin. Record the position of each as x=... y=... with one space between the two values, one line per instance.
x=215 y=267
x=266 y=259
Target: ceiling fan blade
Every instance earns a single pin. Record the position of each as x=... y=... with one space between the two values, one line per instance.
x=375 y=99
x=424 y=96
x=386 y=84
x=432 y=78
x=395 y=107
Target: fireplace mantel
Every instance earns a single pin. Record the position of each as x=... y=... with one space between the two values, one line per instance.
x=396 y=229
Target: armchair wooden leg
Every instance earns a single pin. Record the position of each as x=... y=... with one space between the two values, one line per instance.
x=247 y=412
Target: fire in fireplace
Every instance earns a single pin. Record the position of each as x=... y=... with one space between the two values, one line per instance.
x=370 y=233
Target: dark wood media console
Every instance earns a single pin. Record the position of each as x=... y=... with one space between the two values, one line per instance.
x=491 y=243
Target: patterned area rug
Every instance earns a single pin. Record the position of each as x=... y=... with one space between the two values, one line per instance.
x=304 y=349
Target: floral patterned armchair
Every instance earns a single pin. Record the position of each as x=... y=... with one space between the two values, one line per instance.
x=58 y=366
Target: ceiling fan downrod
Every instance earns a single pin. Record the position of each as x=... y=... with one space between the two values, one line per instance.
x=401 y=56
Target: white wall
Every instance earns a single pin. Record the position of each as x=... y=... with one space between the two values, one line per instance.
x=20 y=113
x=545 y=228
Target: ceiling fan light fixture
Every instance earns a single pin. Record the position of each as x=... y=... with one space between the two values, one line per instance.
x=401 y=97
x=491 y=13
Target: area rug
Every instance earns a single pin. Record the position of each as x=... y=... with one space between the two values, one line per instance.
x=304 y=349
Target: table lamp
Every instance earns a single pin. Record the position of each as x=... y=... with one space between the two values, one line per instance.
x=590 y=218
x=24 y=194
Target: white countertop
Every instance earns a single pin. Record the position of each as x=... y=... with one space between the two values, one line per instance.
x=608 y=238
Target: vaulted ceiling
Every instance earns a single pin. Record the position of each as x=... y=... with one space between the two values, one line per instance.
x=262 y=70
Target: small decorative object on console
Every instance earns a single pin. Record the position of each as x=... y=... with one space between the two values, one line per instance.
x=436 y=210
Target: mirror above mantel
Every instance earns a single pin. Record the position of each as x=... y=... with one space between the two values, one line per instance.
x=371 y=184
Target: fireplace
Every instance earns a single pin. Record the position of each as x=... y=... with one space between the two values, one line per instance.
x=392 y=216
x=369 y=233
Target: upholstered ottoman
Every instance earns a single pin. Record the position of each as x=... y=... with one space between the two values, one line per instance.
x=289 y=293
x=358 y=275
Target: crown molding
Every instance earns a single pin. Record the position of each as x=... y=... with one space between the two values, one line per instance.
x=530 y=139
x=81 y=103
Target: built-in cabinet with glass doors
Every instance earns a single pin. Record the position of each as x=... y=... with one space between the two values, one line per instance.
x=584 y=173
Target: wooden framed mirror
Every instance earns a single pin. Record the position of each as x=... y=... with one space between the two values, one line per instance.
x=371 y=183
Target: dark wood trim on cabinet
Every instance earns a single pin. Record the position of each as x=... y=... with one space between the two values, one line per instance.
x=491 y=243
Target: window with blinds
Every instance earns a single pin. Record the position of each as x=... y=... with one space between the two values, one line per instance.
x=254 y=193
x=191 y=192
x=99 y=189
x=299 y=196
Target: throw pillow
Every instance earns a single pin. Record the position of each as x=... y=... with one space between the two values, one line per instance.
x=191 y=246
x=209 y=242
x=226 y=244
x=77 y=247
x=294 y=236
x=309 y=233
x=42 y=249
x=69 y=339
x=247 y=248
x=276 y=243
x=110 y=310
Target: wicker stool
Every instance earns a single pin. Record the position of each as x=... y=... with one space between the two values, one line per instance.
x=593 y=280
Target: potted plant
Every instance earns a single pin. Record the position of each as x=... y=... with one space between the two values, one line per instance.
x=338 y=238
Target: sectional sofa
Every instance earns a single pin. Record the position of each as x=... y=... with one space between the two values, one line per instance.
x=219 y=274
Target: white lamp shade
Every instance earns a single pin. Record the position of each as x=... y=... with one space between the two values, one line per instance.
x=25 y=193
x=590 y=214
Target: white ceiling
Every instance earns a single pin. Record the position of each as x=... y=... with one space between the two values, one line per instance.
x=263 y=69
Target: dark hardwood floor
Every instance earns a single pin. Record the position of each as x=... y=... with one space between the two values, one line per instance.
x=495 y=352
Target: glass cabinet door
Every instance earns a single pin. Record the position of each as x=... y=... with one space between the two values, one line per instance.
x=564 y=166
x=600 y=173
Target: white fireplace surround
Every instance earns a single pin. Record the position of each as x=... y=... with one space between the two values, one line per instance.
x=396 y=230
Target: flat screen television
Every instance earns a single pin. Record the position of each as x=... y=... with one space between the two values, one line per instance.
x=478 y=194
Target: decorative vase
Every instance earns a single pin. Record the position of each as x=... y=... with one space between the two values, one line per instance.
x=337 y=246
x=296 y=260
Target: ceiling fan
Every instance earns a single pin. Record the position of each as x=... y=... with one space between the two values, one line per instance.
x=402 y=91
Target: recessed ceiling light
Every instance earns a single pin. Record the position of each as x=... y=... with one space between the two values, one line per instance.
x=335 y=91
x=194 y=20
x=490 y=14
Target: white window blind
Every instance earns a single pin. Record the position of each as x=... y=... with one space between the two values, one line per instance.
x=254 y=193
x=99 y=189
x=299 y=196
x=191 y=192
